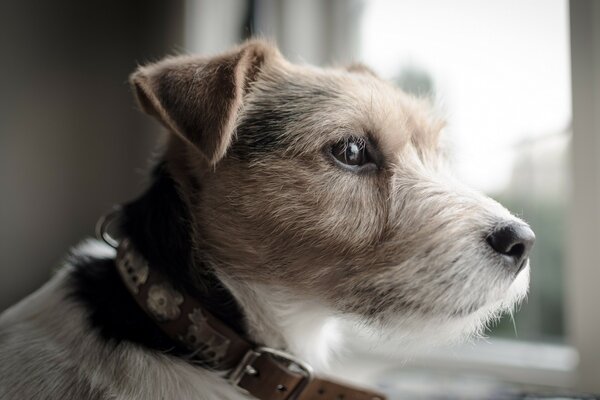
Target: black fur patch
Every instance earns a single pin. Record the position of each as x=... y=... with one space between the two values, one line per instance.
x=112 y=310
x=264 y=127
x=158 y=224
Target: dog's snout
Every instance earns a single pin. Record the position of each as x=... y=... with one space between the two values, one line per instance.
x=514 y=241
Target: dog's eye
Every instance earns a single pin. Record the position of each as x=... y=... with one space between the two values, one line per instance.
x=352 y=152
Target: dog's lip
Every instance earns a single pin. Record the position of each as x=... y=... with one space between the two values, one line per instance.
x=522 y=265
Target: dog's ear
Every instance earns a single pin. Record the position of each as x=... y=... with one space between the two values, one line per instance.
x=361 y=68
x=199 y=98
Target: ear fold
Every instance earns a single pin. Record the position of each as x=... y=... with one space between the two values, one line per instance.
x=199 y=98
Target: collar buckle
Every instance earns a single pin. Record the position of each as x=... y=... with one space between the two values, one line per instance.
x=293 y=364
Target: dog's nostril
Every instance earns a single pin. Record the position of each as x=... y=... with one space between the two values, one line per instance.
x=516 y=251
x=514 y=241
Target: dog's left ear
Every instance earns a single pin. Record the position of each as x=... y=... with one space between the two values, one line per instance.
x=198 y=98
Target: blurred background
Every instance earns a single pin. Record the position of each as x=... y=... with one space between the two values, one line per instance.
x=517 y=80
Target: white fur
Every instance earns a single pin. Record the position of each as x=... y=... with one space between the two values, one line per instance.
x=279 y=318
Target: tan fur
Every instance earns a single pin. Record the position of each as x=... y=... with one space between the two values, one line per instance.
x=406 y=241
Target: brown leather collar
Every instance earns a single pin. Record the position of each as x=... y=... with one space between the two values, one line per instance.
x=265 y=373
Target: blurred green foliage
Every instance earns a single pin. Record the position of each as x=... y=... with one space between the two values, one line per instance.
x=541 y=316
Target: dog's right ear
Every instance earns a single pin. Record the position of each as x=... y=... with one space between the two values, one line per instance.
x=361 y=68
x=198 y=98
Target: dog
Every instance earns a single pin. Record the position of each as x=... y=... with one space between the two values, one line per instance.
x=291 y=205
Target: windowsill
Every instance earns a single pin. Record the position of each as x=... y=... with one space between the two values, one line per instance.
x=489 y=364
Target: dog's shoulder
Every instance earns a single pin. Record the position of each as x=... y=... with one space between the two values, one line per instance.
x=81 y=336
x=38 y=340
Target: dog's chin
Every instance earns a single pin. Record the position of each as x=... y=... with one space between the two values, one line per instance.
x=407 y=336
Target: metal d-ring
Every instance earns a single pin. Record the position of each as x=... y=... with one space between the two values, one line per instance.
x=103 y=227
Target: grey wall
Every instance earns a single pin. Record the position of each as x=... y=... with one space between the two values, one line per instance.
x=72 y=142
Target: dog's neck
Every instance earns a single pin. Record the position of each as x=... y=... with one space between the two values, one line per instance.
x=158 y=224
x=280 y=319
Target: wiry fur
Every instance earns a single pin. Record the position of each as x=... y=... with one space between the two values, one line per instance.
x=308 y=250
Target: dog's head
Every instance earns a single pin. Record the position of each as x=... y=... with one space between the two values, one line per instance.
x=330 y=183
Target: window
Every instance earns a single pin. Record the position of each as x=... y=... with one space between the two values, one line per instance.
x=500 y=72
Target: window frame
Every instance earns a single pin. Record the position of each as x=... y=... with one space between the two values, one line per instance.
x=583 y=260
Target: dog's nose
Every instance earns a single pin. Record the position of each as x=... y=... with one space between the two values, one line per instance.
x=514 y=241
